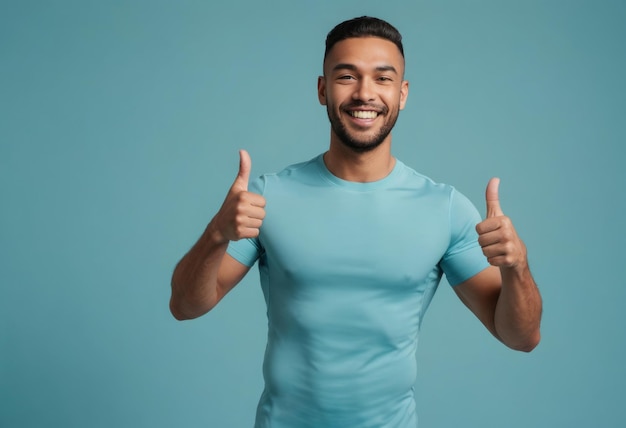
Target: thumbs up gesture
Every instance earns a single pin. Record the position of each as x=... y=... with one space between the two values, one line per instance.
x=242 y=212
x=496 y=234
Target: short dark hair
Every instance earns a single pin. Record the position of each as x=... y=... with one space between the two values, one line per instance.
x=364 y=26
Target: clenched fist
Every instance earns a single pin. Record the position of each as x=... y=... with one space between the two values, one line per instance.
x=496 y=234
x=242 y=212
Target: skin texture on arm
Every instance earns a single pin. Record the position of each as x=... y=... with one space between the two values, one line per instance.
x=504 y=296
x=206 y=273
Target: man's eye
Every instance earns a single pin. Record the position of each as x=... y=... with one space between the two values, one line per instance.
x=384 y=79
x=345 y=77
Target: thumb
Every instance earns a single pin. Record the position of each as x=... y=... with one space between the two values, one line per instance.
x=493 y=201
x=243 y=176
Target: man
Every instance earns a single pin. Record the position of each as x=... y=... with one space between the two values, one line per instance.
x=351 y=246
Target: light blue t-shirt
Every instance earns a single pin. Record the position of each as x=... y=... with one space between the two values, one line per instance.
x=347 y=271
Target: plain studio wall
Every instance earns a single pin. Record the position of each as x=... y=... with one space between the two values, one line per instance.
x=119 y=129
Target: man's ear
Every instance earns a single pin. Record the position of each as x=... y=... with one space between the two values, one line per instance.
x=404 y=93
x=321 y=90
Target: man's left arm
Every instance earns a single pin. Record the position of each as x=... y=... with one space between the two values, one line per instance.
x=504 y=296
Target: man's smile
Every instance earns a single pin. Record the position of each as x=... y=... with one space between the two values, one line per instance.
x=364 y=114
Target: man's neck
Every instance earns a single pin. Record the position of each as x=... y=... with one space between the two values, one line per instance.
x=366 y=167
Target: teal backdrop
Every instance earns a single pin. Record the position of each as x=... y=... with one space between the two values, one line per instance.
x=120 y=123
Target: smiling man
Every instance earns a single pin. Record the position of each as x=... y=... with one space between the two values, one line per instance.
x=363 y=89
x=351 y=246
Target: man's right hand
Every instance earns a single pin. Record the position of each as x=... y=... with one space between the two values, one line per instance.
x=242 y=212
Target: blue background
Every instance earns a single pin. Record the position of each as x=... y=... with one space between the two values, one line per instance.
x=119 y=129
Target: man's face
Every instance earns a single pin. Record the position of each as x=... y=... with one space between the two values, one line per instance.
x=363 y=91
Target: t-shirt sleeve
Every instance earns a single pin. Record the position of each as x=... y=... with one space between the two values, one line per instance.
x=247 y=251
x=464 y=257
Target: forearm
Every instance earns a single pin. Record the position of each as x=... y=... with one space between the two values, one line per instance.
x=195 y=288
x=204 y=275
x=518 y=311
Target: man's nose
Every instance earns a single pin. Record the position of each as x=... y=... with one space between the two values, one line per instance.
x=364 y=91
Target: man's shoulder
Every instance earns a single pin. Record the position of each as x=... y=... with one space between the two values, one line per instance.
x=304 y=167
x=293 y=174
x=422 y=181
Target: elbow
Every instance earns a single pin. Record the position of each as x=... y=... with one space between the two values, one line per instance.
x=175 y=304
x=176 y=312
x=186 y=303
x=182 y=315
x=183 y=311
x=527 y=345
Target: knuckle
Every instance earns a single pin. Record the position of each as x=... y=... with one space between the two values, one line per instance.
x=242 y=197
x=509 y=248
x=240 y=231
x=239 y=220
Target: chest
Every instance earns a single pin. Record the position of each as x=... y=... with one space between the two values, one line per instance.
x=355 y=239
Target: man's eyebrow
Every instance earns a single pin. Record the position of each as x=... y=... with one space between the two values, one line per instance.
x=343 y=66
x=387 y=68
x=352 y=67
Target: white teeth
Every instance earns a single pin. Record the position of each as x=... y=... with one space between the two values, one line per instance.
x=364 y=114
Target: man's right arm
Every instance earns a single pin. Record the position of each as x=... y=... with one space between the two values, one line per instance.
x=206 y=273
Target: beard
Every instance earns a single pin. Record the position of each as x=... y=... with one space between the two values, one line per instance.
x=366 y=143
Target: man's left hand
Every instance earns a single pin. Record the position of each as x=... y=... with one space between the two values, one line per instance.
x=496 y=234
